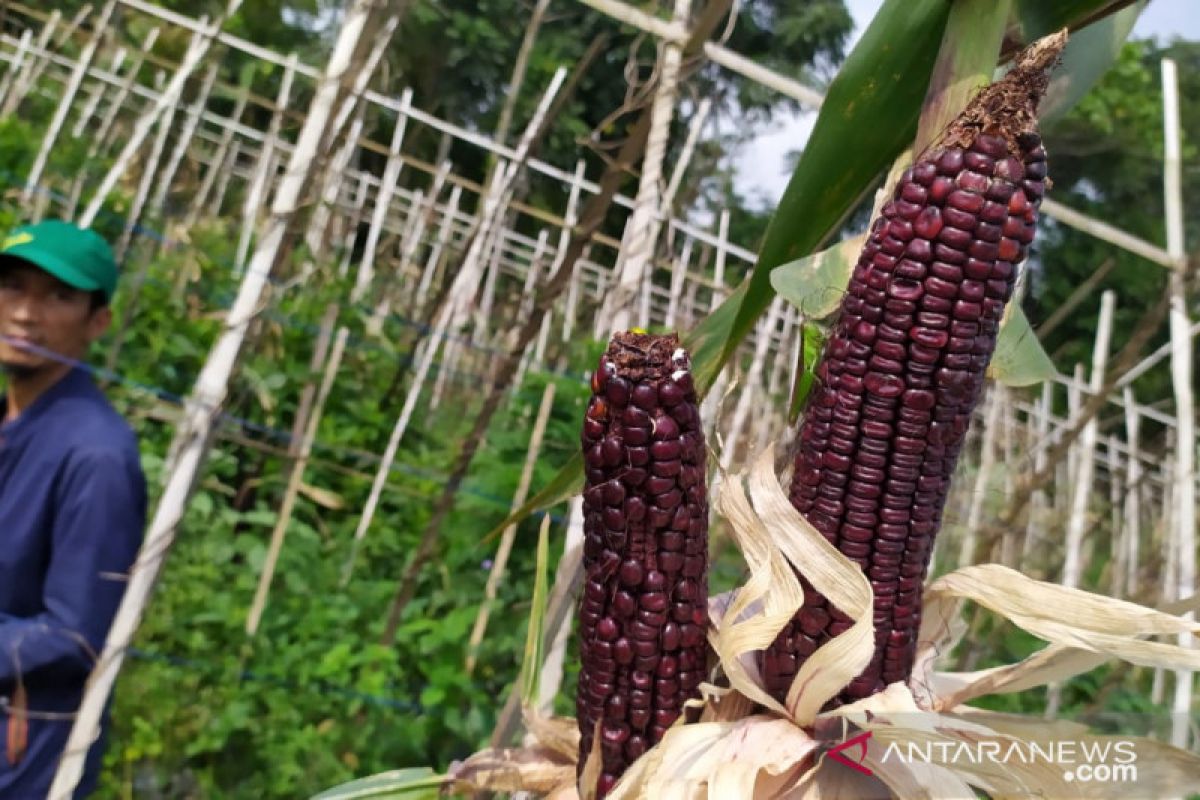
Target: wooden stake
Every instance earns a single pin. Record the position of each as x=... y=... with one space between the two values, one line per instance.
x=294 y=482
x=1077 y=522
x=216 y=165
x=641 y=234
x=383 y=200
x=118 y=103
x=439 y=247
x=1181 y=378
x=500 y=562
x=1131 y=531
x=191 y=121
x=93 y=101
x=987 y=459
x=264 y=169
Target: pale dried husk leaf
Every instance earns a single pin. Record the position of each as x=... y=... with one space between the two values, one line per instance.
x=827 y=671
x=718 y=759
x=533 y=769
x=560 y=735
x=592 y=767
x=1061 y=615
x=772 y=590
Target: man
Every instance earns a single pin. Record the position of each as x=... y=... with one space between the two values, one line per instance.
x=72 y=497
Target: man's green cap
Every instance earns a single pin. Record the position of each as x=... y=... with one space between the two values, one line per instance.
x=76 y=256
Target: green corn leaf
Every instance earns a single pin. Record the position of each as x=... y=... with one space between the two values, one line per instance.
x=1037 y=18
x=413 y=783
x=531 y=665
x=567 y=483
x=1088 y=55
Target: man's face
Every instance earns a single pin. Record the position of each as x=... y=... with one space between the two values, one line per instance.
x=38 y=309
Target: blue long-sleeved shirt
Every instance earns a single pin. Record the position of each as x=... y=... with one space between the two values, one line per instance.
x=72 y=513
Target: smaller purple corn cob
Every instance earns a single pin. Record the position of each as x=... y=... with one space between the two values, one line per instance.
x=644 y=609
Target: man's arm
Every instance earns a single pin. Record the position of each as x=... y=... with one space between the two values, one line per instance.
x=98 y=523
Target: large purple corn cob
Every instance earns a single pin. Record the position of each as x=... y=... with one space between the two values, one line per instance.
x=644 y=608
x=904 y=368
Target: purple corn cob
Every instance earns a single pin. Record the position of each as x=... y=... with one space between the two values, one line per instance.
x=644 y=609
x=904 y=368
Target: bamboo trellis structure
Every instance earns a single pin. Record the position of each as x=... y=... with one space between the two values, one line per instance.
x=421 y=220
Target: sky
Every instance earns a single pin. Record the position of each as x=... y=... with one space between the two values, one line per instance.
x=761 y=166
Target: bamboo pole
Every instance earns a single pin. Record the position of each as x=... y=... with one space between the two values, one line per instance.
x=526 y=306
x=1131 y=531
x=753 y=382
x=264 y=169
x=1181 y=375
x=34 y=178
x=294 y=482
x=1116 y=491
x=1165 y=544
x=353 y=221
x=16 y=67
x=710 y=407
x=228 y=167
x=517 y=80
x=504 y=550
x=983 y=477
x=716 y=53
x=641 y=234
x=483 y=314
x=197 y=49
x=149 y=170
x=424 y=210
x=22 y=72
x=191 y=121
x=321 y=231
x=122 y=95
x=570 y=220
x=96 y=94
x=315 y=236
x=189 y=448
x=558 y=635
x=216 y=165
x=383 y=200
x=439 y=246
x=1074 y=565
x=1010 y=551
x=678 y=278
